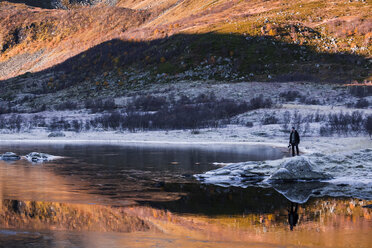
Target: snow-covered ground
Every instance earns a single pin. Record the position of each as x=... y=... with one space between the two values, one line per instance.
x=231 y=134
x=351 y=174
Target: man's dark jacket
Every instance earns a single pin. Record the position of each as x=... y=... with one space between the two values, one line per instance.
x=296 y=138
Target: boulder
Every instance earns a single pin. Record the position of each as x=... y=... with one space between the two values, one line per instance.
x=298 y=168
x=10 y=156
x=37 y=157
x=56 y=134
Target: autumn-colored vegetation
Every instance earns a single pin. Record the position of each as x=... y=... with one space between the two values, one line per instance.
x=64 y=216
x=58 y=34
x=33 y=39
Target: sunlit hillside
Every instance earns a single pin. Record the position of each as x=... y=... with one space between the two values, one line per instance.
x=263 y=39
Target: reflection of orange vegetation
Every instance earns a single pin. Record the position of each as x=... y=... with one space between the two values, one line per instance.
x=64 y=216
x=19 y=181
x=323 y=223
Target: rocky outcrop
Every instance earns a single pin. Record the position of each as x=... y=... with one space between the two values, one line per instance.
x=10 y=156
x=298 y=168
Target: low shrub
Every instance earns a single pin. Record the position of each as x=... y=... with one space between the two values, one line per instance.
x=185 y=113
x=290 y=96
x=100 y=105
x=345 y=123
x=149 y=103
x=325 y=130
x=295 y=77
x=309 y=100
x=368 y=125
x=360 y=90
x=249 y=124
x=286 y=120
x=362 y=103
x=268 y=119
x=67 y=106
x=5 y=108
x=260 y=102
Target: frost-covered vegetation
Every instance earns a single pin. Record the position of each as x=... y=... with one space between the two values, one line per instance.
x=143 y=113
x=162 y=109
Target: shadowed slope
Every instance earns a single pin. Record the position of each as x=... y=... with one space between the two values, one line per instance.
x=117 y=65
x=61 y=4
x=48 y=4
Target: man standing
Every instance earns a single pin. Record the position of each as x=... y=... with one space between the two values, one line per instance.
x=294 y=140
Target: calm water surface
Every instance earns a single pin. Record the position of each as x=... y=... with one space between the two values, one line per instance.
x=145 y=196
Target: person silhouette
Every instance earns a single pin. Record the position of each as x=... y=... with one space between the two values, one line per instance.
x=293 y=215
x=294 y=140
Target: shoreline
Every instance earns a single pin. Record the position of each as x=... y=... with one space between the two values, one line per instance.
x=164 y=142
x=230 y=135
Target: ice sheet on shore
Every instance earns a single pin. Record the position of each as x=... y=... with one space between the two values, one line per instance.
x=351 y=175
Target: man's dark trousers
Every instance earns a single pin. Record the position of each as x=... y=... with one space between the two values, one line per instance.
x=293 y=149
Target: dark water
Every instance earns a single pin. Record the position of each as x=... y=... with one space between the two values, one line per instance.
x=153 y=157
x=136 y=172
x=145 y=196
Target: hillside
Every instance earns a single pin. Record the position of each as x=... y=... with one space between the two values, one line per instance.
x=34 y=39
x=109 y=48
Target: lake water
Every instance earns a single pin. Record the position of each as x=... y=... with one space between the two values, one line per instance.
x=144 y=195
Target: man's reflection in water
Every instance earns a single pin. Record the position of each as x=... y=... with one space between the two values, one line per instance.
x=293 y=215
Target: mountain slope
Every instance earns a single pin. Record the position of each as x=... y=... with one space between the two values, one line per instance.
x=283 y=37
x=35 y=39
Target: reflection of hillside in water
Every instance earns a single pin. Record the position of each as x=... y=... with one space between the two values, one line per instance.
x=22 y=180
x=35 y=215
x=331 y=222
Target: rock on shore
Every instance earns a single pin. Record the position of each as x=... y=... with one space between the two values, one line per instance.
x=298 y=168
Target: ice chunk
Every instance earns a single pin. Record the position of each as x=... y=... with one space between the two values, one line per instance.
x=37 y=157
x=10 y=156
